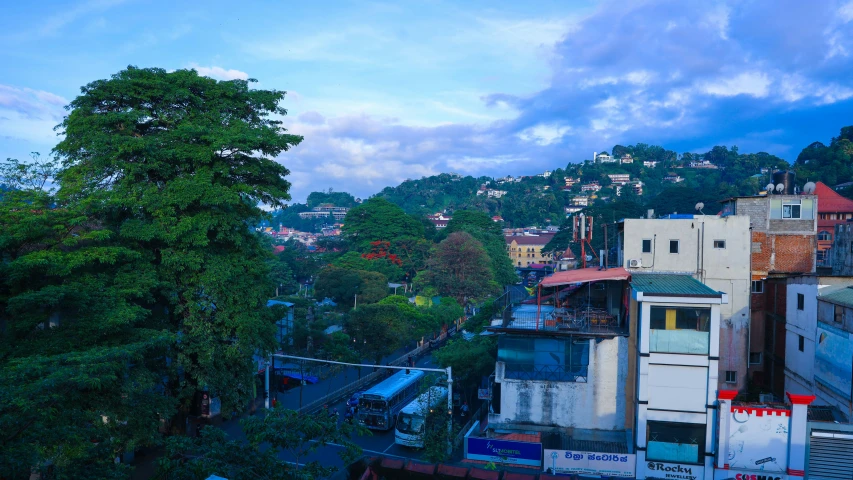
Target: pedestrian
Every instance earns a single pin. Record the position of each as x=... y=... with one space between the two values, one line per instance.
x=464 y=409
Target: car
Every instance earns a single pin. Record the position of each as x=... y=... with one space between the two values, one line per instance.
x=353 y=400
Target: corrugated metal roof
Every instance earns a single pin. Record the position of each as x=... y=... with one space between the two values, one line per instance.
x=655 y=284
x=842 y=296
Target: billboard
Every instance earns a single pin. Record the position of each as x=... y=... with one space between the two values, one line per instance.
x=504 y=451
x=564 y=462
x=758 y=439
x=834 y=359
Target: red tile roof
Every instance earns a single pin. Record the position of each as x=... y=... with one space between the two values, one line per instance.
x=480 y=474
x=451 y=471
x=830 y=201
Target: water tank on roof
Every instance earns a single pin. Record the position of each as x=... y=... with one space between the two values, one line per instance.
x=787 y=180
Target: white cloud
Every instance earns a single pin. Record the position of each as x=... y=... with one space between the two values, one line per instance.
x=28 y=114
x=544 y=134
x=846 y=12
x=755 y=84
x=220 y=73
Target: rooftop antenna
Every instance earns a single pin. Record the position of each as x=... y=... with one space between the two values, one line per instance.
x=769 y=188
x=780 y=187
x=809 y=188
x=699 y=207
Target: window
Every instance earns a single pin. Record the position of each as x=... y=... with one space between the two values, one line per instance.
x=801 y=301
x=731 y=376
x=550 y=359
x=757 y=286
x=839 y=312
x=755 y=358
x=647 y=245
x=802 y=346
x=719 y=244
x=675 y=442
x=824 y=235
x=791 y=210
x=679 y=330
x=673 y=246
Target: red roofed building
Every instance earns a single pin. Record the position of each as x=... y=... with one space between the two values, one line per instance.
x=832 y=209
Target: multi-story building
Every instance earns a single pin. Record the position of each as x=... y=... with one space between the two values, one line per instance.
x=619 y=178
x=672 y=178
x=525 y=250
x=626 y=158
x=326 y=210
x=783 y=235
x=713 y=250
x=801 y=329
x=636 y=186
x=650 y=163
x=603 y=158
x=677 y=341
x=842 y=249
x=590 y=187
x=580 y=200
x=571 y=181
x=832 y=209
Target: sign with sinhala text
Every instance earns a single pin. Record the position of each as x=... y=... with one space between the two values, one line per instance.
x=504 y=451
x=592 y=463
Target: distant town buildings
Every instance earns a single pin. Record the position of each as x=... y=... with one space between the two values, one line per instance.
x=673 y=178
x=833 y=209
x=525 y=250
x=650 y=163
x=637 y=186
x=590 y=187
x=603 y=158
x=439 y=220
x=619 y=178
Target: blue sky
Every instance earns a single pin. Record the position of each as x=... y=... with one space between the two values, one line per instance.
x=384 y=91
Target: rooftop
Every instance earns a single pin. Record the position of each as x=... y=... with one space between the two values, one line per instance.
x=830 y=201
x=655 y=284
x=530 y=239
x=841 y=296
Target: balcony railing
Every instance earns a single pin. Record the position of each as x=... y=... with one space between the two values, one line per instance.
x=562 y=320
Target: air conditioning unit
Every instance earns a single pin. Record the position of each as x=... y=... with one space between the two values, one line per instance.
x=635 y=263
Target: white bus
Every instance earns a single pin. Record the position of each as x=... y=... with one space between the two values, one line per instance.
x=378 y=406
x=411 y=421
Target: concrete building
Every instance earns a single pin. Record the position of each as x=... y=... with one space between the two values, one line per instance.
x=604 y=158
x=619 y=178
x=650 y=163
x=636 y=186
x=842 y=249
x=801 y=325
x=524 y=250
x=677 y=323
x=783 y=235
x=833 y=358
x=713 y=250
x=626 y=158
x=832 y=209
x=590 y=187
x=326 y=210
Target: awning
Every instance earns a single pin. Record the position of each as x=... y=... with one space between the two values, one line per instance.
x=582 y=275
x=296 y=376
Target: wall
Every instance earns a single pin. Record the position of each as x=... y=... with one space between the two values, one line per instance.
x=726 y=270
x=600 y=403
x=833 y=361
x=777 y=253
x=842 y=250
x=758 y=439
x=799 y=366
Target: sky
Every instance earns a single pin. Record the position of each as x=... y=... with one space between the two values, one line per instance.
x=385 y=91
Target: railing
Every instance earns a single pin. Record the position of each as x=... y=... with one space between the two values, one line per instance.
x=347 y=390
x=475 y=417
x=564 y=320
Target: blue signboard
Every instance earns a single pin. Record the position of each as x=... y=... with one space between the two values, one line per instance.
x=504 y=451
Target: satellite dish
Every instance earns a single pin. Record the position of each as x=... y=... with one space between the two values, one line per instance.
x=769 y=187
x=700 y=206
x=780 y=187
x=809 y=187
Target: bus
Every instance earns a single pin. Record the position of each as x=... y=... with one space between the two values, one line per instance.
x=411 y=421
x=378 y=405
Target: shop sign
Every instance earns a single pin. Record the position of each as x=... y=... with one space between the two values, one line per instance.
x=504 y=451
x=560 y=462
x=674 y=471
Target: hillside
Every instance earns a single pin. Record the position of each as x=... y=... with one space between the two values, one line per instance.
x=671 y=182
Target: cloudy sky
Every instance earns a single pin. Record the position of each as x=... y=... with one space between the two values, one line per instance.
x=388 y=91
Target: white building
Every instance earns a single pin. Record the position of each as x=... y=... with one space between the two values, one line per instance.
x=580 y=201
x=678 y=350
x=801 y=325
x=590 y=187
x=714 y=250
x=636 y=186
x=620 y=178
x=604 y=158
x=650 y=163
x=626 y=158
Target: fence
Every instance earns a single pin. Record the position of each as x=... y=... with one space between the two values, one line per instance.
x=474 y=418
x=346 y=391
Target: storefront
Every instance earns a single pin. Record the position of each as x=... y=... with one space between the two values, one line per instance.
x=565 y=462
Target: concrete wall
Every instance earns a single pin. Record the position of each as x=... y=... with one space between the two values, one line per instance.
x=842 y=250
x=600 y=403
x=725 y=270
x=799 y=366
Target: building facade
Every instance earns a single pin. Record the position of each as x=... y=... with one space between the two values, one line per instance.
x=783 y=243
x=833 y=209
x=525 y=250
x=715 y=251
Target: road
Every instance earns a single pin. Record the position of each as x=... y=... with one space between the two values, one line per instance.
x=378 y=443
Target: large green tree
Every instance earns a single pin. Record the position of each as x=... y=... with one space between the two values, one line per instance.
x=177 y=165
x=342 y=285
x=379 y=219
x=490 y=234
x=80 y=383
x=459 y=268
